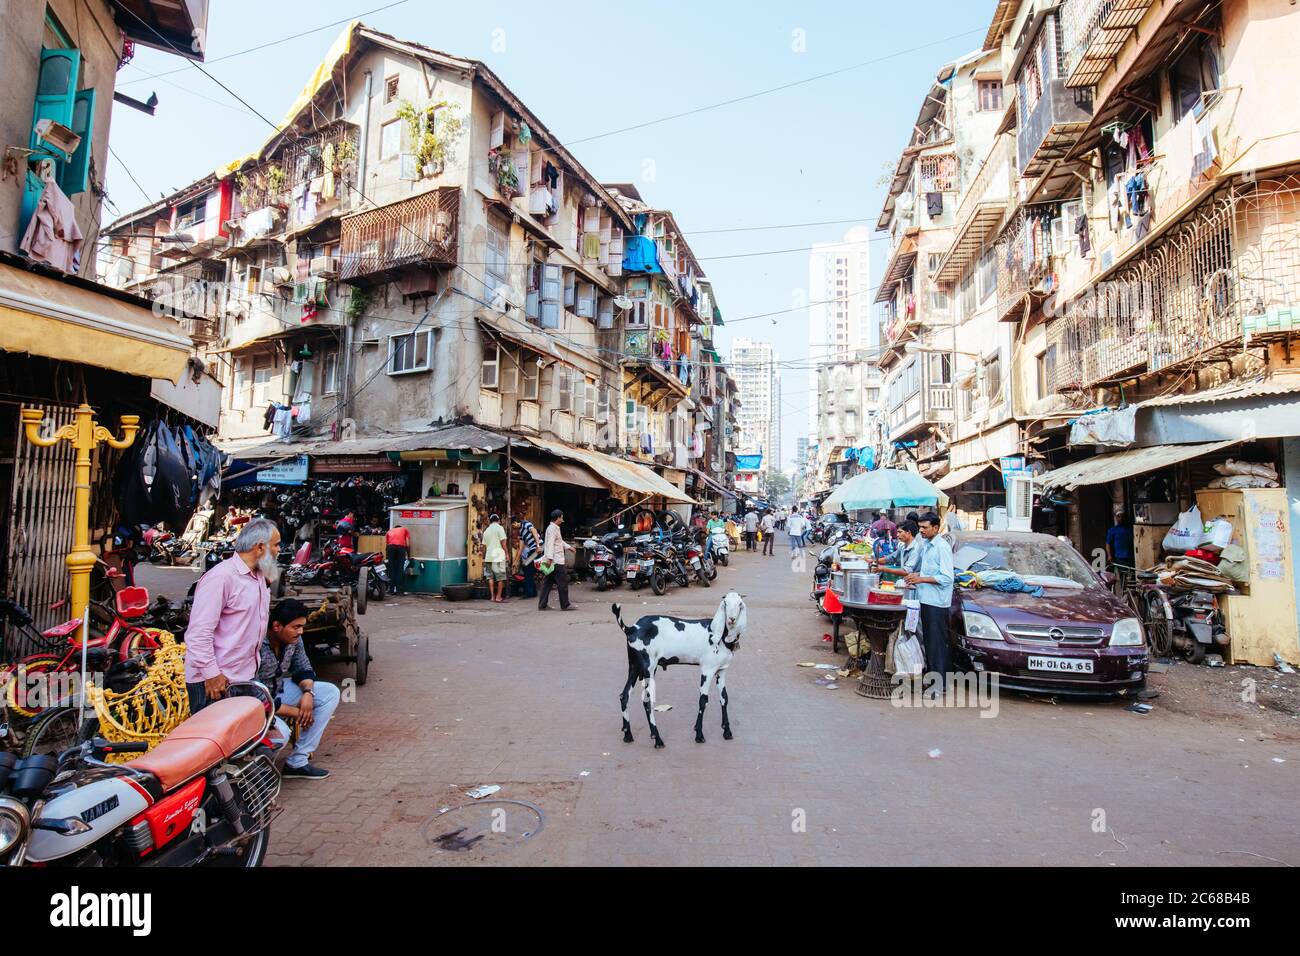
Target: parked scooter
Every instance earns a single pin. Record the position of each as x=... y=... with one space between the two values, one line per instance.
x=822 y=576
x=1188 y=622
x=719 y=546
x=698 y=560
x=203 y=796
x=606 y=560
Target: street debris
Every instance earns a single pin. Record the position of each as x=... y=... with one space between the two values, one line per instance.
x=1282 y=665
x=1141 y=708
x=1213 y=660
x=1155 y=667
x=827 y=667
x=806 y=664
x=484 y=791
x=663 y=707
x=584 y=773
x=935 y=754
x=1279 y=760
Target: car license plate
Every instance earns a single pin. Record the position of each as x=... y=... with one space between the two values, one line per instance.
x=633 y=568
x=1063 y=665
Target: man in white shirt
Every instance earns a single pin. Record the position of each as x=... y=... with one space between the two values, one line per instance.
x=495 y=566
x=769 y=533
x=797 y=526
x=751 y=529
x=553 y=548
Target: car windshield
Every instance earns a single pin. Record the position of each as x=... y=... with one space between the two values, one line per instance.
x=1048 y=563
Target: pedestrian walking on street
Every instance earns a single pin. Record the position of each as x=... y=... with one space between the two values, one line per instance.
x=751 y=530
x=530 y=549
x=933 y=582
x=796 y=526
x=398 y=552
x=495 y=565
x=769 y=533
x=232 y=605
x=553 y=549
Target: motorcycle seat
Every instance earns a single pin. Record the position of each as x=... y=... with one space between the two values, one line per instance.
x=208 y=737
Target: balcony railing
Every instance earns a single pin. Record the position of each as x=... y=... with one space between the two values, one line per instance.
x=1094 y=31
x=419 y=231
x=982 y=208
x=331 y=152
x=1024 y=256
x=1228 y=276
x=1052 y=127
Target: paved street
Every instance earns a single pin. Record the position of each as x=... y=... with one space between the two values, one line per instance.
x=466 y=694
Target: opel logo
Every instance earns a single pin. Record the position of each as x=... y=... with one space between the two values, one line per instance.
x=1056 y=634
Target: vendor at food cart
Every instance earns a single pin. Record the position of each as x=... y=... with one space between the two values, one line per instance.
x=908 y=555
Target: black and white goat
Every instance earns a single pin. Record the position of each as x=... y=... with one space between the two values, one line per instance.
x=656 y=641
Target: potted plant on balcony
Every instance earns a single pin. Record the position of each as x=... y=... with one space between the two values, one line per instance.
x=503 y=169
x=433 y=131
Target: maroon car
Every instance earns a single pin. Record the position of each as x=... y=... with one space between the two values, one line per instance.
x=1076 y=638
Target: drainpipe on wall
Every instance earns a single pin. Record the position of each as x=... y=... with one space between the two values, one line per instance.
x=349 y=336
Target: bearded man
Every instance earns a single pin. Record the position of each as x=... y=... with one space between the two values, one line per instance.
x=232 y=604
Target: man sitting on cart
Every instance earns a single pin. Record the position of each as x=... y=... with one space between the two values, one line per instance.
x=303 y=699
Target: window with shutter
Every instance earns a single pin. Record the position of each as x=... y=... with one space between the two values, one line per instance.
x=586 y=300
x=75 y=174
x=531 y=372
x=509 y=373
x=605 y=313
x=551 y=286
x=570 y=284
x=497 y=253
x=497 y=137
x=491 y=376
x=563 y=390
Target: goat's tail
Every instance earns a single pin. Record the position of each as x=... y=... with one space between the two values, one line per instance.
x=618 y=616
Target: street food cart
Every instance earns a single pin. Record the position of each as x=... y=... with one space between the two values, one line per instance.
x=439 y=541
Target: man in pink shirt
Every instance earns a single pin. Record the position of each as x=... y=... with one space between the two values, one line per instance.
x=228 y=620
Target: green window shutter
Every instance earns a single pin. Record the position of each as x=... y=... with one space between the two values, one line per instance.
x=75 y=173
x=56 y=89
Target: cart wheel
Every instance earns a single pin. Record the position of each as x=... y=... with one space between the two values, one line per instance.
x=835 y=632
x=363 y=658
x=360 y=589
x=1195 y=652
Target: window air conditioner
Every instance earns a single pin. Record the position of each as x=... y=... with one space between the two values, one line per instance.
x=325 y=267
x=1020 y=503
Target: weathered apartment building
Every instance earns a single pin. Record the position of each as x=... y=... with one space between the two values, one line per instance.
x=413 y=250
x=65 y=340
x=921 y=300
x=1122 y=275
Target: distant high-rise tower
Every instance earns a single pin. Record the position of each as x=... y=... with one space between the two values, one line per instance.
x=839 y=316
x=753 y=365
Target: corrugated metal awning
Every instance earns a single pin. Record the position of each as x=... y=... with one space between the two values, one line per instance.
x=451 y=437
x=616 y=471
x=564 y=472
x=1233 y=391
x=961 y=475
x=67 y=320
x=1125 y=464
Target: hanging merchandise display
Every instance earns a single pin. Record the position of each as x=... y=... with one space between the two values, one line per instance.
x=166 y=476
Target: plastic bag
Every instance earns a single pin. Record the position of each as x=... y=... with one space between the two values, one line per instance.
x=909 y=659
x=1218 y=533
x=1187 y=532
x=1242 y=481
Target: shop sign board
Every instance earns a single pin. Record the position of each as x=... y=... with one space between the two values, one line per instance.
x=1013 y=466
x=285 y=473
x=351 y=464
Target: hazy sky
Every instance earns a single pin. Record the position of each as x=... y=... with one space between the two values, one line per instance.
x=810 y=153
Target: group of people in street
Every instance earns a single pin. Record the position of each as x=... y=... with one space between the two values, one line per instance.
x=235 y=636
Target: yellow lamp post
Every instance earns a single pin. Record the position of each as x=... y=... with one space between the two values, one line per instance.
x=84 y=433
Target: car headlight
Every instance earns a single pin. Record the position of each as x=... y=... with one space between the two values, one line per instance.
x=14 y=820
x=981 y=627
x=1126 y=633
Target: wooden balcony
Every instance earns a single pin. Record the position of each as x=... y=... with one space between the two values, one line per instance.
x=377 y=244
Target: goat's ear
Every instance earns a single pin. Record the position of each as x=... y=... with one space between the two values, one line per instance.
x=742 y=621
x=719 y=624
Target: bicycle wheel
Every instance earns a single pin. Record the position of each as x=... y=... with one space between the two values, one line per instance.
x=17 y=687
x=52 y=732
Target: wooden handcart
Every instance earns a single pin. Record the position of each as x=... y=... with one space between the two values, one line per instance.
x=332 y=634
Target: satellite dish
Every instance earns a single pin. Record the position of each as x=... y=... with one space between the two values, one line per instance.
x=905 y=201
x=622 y=302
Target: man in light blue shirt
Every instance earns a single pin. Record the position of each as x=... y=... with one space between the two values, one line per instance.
x=933 y=583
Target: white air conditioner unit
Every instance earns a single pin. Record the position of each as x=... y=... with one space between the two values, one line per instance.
x=325 y=267
x=1020 y=503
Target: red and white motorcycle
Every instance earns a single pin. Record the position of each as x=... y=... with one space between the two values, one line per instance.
x=205 y=795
